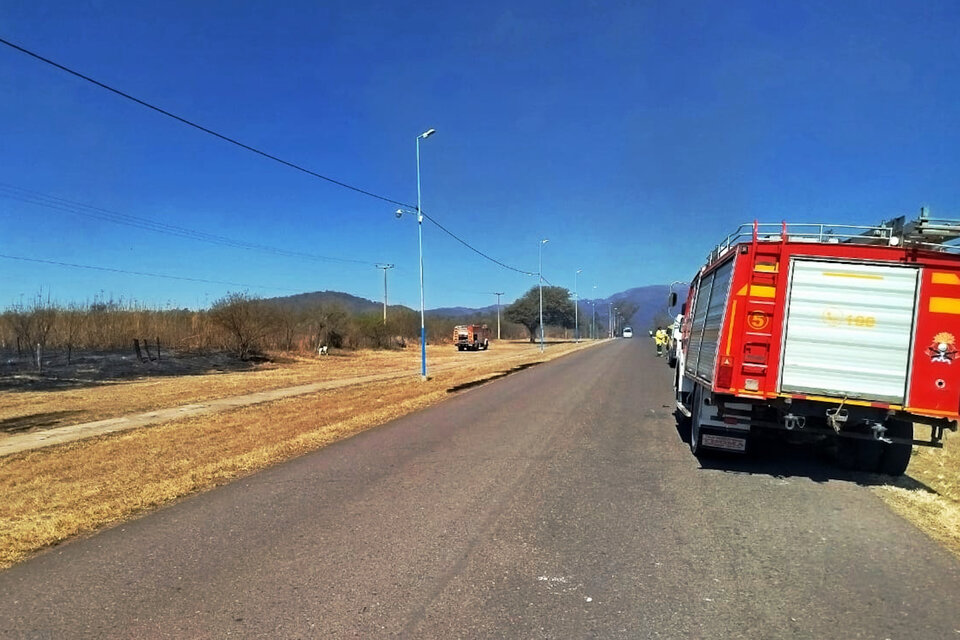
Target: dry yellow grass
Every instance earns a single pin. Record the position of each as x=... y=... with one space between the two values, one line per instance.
x=59 y=408
x=57 y=493
x=929 y=493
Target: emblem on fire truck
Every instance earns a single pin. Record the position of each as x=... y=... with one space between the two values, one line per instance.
x=758 y=320
x=943 y=348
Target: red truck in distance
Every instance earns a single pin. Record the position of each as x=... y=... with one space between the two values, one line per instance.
x=471 y=337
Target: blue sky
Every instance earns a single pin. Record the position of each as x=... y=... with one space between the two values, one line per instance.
x=633 y=135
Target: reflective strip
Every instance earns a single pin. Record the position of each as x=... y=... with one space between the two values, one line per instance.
x=932 y=412
x=762 y=291
x=858 y=403
x=862 y=276
x=945 y=305
x=938 y=277
x=733 y=316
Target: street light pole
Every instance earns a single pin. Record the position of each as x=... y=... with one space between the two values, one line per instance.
x=576 y=307
x=498 y=294
x=423 y=325
x=609 y=319
x=384 y=267
x=540 y=271
x=593 y=330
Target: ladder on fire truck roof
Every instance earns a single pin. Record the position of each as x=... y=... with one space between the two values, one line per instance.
x=926 y=232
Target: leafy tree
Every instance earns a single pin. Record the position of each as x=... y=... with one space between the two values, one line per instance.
x=557 y=309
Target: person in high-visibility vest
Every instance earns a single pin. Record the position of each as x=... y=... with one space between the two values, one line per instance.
x=660 y=337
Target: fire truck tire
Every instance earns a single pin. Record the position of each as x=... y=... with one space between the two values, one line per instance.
x=696 y=400
x=859 y=455
x=896 y=456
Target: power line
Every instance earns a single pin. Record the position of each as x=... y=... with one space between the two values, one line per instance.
x=474 y=249
x=252 y=149
x=140 y=273
x=98 y=213
x=198 y=126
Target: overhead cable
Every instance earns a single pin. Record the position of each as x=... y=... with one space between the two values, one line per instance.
x=223 y=137
x=91 y=211
x=474 y=249
x=252 y=149
x=140 y=273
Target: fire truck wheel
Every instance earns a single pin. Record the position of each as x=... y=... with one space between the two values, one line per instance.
x=696 y=402
x=896 y=456
x=859 y=455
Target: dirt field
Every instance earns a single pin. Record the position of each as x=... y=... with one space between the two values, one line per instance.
x=107 y=387
x=55 y=493
x=929 y=494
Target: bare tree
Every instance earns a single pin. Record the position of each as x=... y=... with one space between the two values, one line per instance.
x=22 y=324
x=44 y=317
x=288 y=321
x=246 y=319
x=72 y=323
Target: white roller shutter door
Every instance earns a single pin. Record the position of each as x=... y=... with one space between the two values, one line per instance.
x=849 y=329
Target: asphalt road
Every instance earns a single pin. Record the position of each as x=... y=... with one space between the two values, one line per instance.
x=559 y=502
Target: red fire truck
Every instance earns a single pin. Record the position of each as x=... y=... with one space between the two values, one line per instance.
x=839 y=333
x=471 y=337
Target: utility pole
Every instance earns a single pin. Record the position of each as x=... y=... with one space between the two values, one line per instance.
x=540 y=271
x=498 y=294
x=576 y=307
x=384 y=267
x=594 y=303
x=609 y=319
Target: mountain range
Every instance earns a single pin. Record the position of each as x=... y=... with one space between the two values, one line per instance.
x=650 y=301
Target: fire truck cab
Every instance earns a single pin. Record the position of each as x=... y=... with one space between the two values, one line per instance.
x=830 y=332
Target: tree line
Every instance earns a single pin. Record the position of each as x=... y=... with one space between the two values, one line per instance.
x=247 y=325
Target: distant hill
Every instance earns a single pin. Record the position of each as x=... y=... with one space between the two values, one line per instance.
x=650 y=301
x=351 y=303
x=456 y=312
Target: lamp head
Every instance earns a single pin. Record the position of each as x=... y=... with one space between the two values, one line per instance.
x=426 y=134
x=544 y=241
x=399 y=213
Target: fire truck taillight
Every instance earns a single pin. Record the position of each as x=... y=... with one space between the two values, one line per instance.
x=724 y=375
